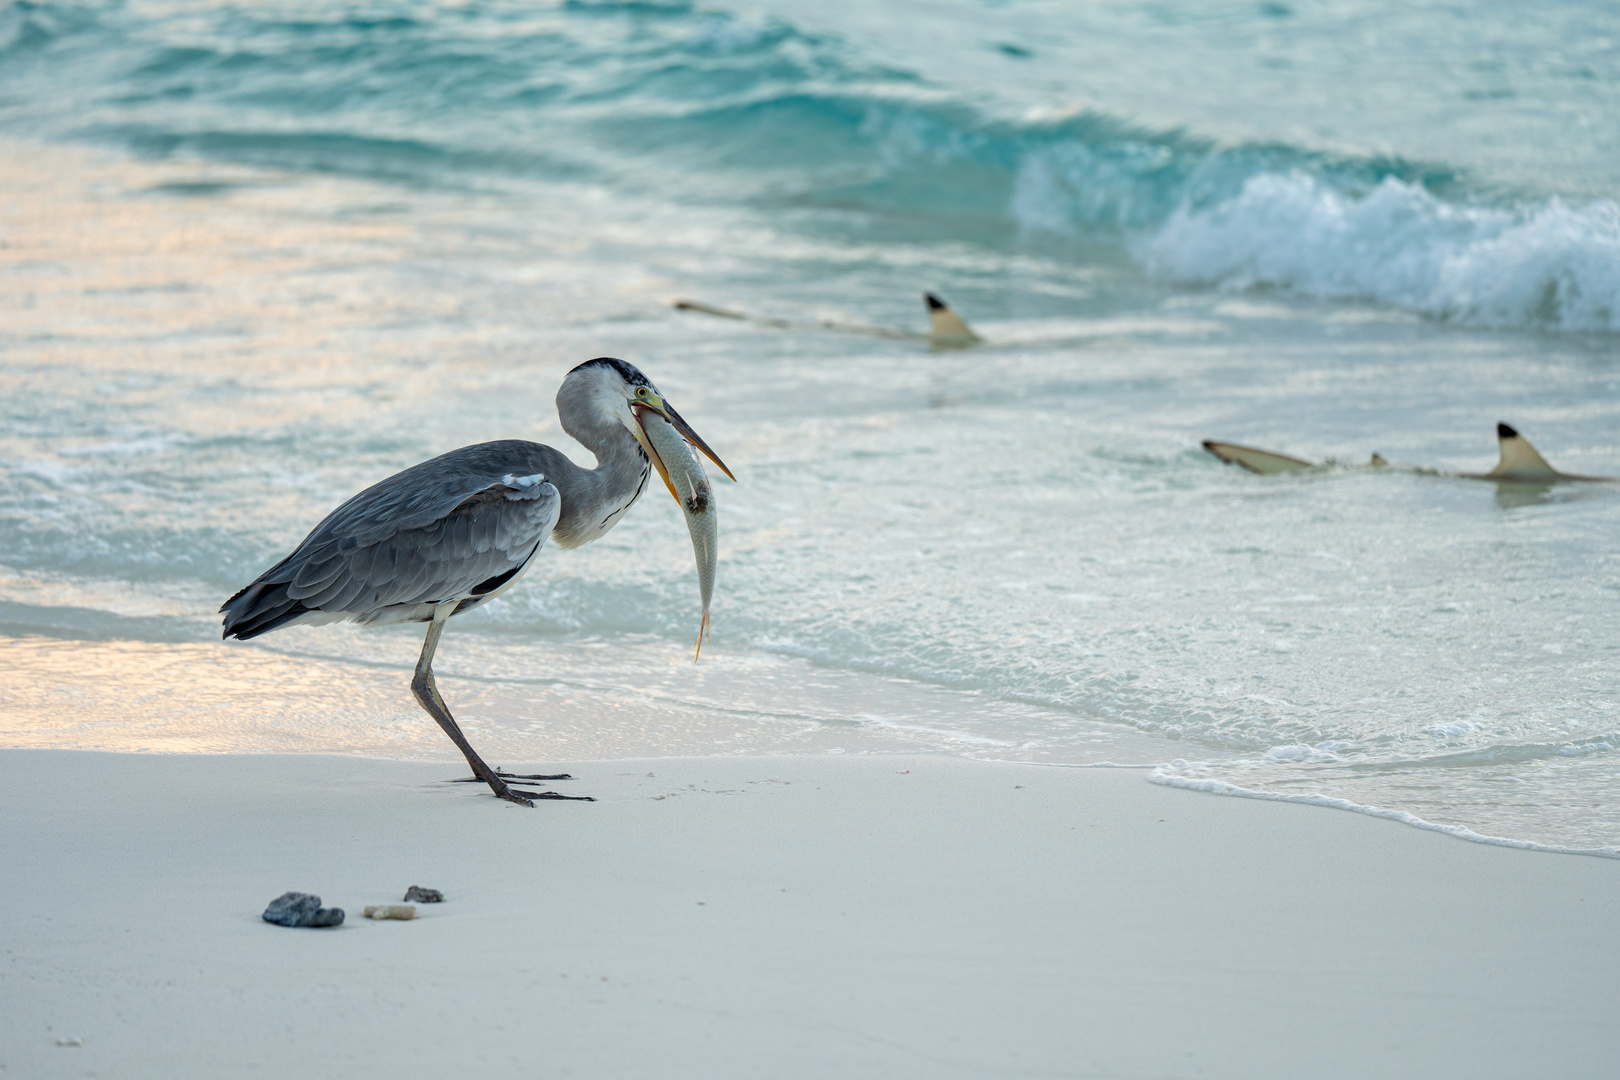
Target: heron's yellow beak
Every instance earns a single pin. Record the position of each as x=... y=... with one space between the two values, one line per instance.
x=641 y=407
x=694 y=438
x=650 y=402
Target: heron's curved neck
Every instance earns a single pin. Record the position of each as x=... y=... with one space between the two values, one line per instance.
x=594 y=500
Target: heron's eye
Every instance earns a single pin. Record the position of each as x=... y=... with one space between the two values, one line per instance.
x=641 y=391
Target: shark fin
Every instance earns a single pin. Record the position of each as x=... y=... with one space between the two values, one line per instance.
x=1520 y=460
x=946 y=330
x=1263 y=462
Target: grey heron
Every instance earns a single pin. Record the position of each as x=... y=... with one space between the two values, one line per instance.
x=453 y=533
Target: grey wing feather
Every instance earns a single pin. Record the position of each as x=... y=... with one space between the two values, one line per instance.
x=443 y=562
x=446 y=529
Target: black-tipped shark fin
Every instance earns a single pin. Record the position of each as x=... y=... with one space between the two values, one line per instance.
x=1520 y=460
x=946 y=330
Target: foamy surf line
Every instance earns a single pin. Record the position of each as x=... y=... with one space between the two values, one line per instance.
x=1196 y=209
x=1221 y=787
x=1550 y=266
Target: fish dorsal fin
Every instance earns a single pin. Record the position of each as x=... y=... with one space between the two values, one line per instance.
x=946 y=330
x=1520 y=461
x=1264 y=462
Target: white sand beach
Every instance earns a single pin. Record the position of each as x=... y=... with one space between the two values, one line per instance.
x=856 y=915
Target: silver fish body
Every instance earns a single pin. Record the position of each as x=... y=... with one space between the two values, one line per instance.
x=692 y=490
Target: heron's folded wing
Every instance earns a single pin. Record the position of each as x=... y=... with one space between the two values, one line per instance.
x=481 y=539
x=425 y=493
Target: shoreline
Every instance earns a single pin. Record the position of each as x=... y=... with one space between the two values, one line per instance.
x=186 y=698
x=1332 y=802
x=882 y=915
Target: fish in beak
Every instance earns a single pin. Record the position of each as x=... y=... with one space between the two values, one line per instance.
x=668 y=440
x=646 y=402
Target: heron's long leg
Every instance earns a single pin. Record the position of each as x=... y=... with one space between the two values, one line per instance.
x=427 y=694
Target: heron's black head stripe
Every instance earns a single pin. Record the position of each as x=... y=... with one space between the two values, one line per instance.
x=630 y=373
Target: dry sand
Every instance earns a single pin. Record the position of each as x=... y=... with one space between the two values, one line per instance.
x=866 y=916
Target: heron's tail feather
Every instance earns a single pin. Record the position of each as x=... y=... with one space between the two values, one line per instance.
x=259 y=609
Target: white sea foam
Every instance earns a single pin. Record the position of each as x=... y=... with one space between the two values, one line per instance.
x=1163 y=775
x=1300 y=753
x=1551 y=265
x=949 y=735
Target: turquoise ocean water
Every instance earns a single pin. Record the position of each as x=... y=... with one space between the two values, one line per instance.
x=254 y=257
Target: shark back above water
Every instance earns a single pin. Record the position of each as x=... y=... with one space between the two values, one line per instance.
x=946 y=330
x=1520 y=462
x=1523 y=462
x=1264 y=462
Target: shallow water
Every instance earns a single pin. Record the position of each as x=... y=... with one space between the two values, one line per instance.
x=260 y=257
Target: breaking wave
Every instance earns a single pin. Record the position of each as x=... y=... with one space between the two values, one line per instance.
x=700 y=104
x=1550 y=265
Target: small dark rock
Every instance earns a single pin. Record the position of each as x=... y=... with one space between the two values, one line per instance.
x=301 y=909
x=291 y=909
x=424 y=896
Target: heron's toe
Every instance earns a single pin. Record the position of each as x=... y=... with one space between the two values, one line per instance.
x=522 y=798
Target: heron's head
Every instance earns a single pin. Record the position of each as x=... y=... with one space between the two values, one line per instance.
x=612 y=390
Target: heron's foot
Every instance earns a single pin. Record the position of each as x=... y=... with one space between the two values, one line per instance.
x=522 y=796
x=526 y=798
x=504 y=775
